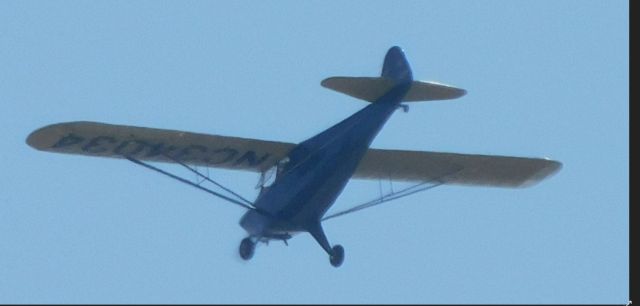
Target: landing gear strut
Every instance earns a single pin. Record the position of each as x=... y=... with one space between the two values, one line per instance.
x=336 y=253
x=247 y=247
x=337 y=257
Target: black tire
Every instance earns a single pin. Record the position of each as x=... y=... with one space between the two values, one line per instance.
x=247 y=247
x=338 y=255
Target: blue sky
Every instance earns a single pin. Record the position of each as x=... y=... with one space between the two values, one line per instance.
x=544 y=79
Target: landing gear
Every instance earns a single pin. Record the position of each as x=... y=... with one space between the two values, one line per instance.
x=336 y=253
x=247 y=247
x=337 y=257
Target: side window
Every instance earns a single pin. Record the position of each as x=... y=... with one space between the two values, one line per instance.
x=282 y=165
x=269 y=177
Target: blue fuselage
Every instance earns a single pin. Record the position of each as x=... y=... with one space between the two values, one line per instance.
x=318 y=170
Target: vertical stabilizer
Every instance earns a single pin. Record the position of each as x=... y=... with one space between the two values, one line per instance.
x=396 y=66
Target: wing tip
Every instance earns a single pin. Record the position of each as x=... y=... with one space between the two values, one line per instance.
x=550 y=169
x=40 y=139
x=36 y=139
x=458 y=92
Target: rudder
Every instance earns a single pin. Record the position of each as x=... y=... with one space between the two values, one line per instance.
x=396 y=66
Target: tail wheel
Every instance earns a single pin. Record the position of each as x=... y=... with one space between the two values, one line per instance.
x=337 y=257
x=247 y=247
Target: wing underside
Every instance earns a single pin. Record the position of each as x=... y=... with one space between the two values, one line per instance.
x=160 y=145
x=453 y=168
x=149 y=144
x=372 y=88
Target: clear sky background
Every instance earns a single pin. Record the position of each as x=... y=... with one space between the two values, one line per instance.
x=544 y=79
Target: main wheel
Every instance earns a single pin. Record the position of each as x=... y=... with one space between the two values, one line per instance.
x=247 y=246
x=338 y=255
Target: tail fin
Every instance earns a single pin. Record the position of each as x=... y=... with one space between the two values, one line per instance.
x=396 y=66
x=395 y=70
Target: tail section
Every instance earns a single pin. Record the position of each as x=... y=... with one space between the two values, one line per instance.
x=395 y=70
x=396 y=67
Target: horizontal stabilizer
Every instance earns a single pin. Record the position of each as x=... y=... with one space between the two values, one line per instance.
x=372 y=88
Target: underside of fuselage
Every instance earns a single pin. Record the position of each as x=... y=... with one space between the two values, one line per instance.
x=318 y=169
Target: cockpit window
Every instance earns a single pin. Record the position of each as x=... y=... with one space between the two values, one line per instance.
x=272 y=174
x=282 y=165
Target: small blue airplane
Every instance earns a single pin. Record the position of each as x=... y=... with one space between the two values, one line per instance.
x=300 y=182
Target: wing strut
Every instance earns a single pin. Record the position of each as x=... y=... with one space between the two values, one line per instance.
x=234 y=201
x=210 y=180
x=426 y=185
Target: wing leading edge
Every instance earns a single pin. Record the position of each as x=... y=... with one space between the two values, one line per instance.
x=149 y=144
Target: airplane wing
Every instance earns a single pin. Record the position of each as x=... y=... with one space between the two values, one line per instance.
x=149 y=144
x=453 y=168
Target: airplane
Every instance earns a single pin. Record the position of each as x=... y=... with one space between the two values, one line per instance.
x=300 y=182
